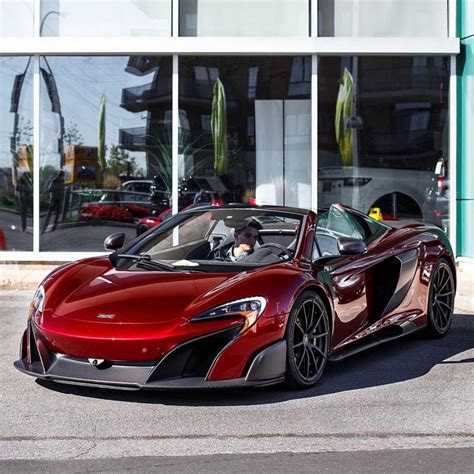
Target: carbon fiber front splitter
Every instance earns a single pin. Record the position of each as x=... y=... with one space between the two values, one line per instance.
x=184 y=383
x=187 y=383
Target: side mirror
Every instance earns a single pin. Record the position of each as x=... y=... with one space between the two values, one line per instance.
x=350 y=246
x=114 y=241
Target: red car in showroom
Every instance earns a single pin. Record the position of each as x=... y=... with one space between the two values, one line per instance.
x=173 y=309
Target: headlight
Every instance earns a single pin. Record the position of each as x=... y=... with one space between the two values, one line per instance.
x=248 y=308
x=38 y=301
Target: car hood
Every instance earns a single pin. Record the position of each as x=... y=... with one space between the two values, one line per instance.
x=102 y=293
x=94 y=309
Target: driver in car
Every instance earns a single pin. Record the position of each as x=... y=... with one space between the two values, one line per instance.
x=245 y=239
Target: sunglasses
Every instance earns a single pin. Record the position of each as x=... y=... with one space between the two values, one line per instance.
x=249 y=235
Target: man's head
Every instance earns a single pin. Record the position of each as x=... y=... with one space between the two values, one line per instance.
x=245 y=237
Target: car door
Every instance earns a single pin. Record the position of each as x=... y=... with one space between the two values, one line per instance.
x=350 y=276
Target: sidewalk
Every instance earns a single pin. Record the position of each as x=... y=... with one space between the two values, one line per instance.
x=24 y=275
x=27 y=276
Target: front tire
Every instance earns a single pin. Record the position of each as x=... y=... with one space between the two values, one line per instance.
x=440 y=300
x=308 y=337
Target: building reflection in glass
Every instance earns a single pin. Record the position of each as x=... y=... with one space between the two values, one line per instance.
x=110 y=138
x=16 y=153
x=267 y=116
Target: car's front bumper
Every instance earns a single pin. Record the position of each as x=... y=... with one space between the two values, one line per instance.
x=178 y=370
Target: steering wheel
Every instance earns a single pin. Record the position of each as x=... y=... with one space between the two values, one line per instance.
x=282 y=248
x=219 y=249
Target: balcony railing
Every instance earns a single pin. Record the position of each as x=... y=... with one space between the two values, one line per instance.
x=143 y=97
x=141 y=65
x=133 y=138
x=142 y=139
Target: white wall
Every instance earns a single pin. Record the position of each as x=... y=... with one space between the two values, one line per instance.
x=269 y=149
x=283 y=146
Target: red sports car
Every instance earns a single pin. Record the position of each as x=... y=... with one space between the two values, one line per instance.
x=238 y=296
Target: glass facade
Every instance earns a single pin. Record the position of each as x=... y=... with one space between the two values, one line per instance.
x=103 y=128
x=105 y=133
x=383 y=135
x=105 y=18
x=16 y=153
x=382 y=18
x=16 y=18
x=245 y=129
x=244 y=18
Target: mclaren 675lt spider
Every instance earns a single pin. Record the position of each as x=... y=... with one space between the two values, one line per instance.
x=238 y=296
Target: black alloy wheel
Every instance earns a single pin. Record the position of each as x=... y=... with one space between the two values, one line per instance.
x=441 y=300
x=308 y=338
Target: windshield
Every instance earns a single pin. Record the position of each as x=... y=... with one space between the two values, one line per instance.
x=219 y=237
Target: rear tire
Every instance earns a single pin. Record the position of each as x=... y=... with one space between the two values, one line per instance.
x=440 y=300
x=308 y=336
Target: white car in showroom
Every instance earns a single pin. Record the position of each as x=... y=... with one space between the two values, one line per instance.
x=397 y=193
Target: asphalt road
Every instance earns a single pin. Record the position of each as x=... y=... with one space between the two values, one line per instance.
x=407 y=404
x=455 y=460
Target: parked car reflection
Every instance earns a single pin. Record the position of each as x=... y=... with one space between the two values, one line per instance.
x=148 y=222
x=117 y=205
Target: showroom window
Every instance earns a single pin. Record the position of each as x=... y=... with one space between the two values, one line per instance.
x=383 y=18
x=105 y=134
x=249 y=130
x=383 y=135
x=105 y=18
x=16 y=153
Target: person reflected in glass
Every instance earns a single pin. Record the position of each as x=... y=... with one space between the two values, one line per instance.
x=24 y=190
x=245 y=239
x=56 y=194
